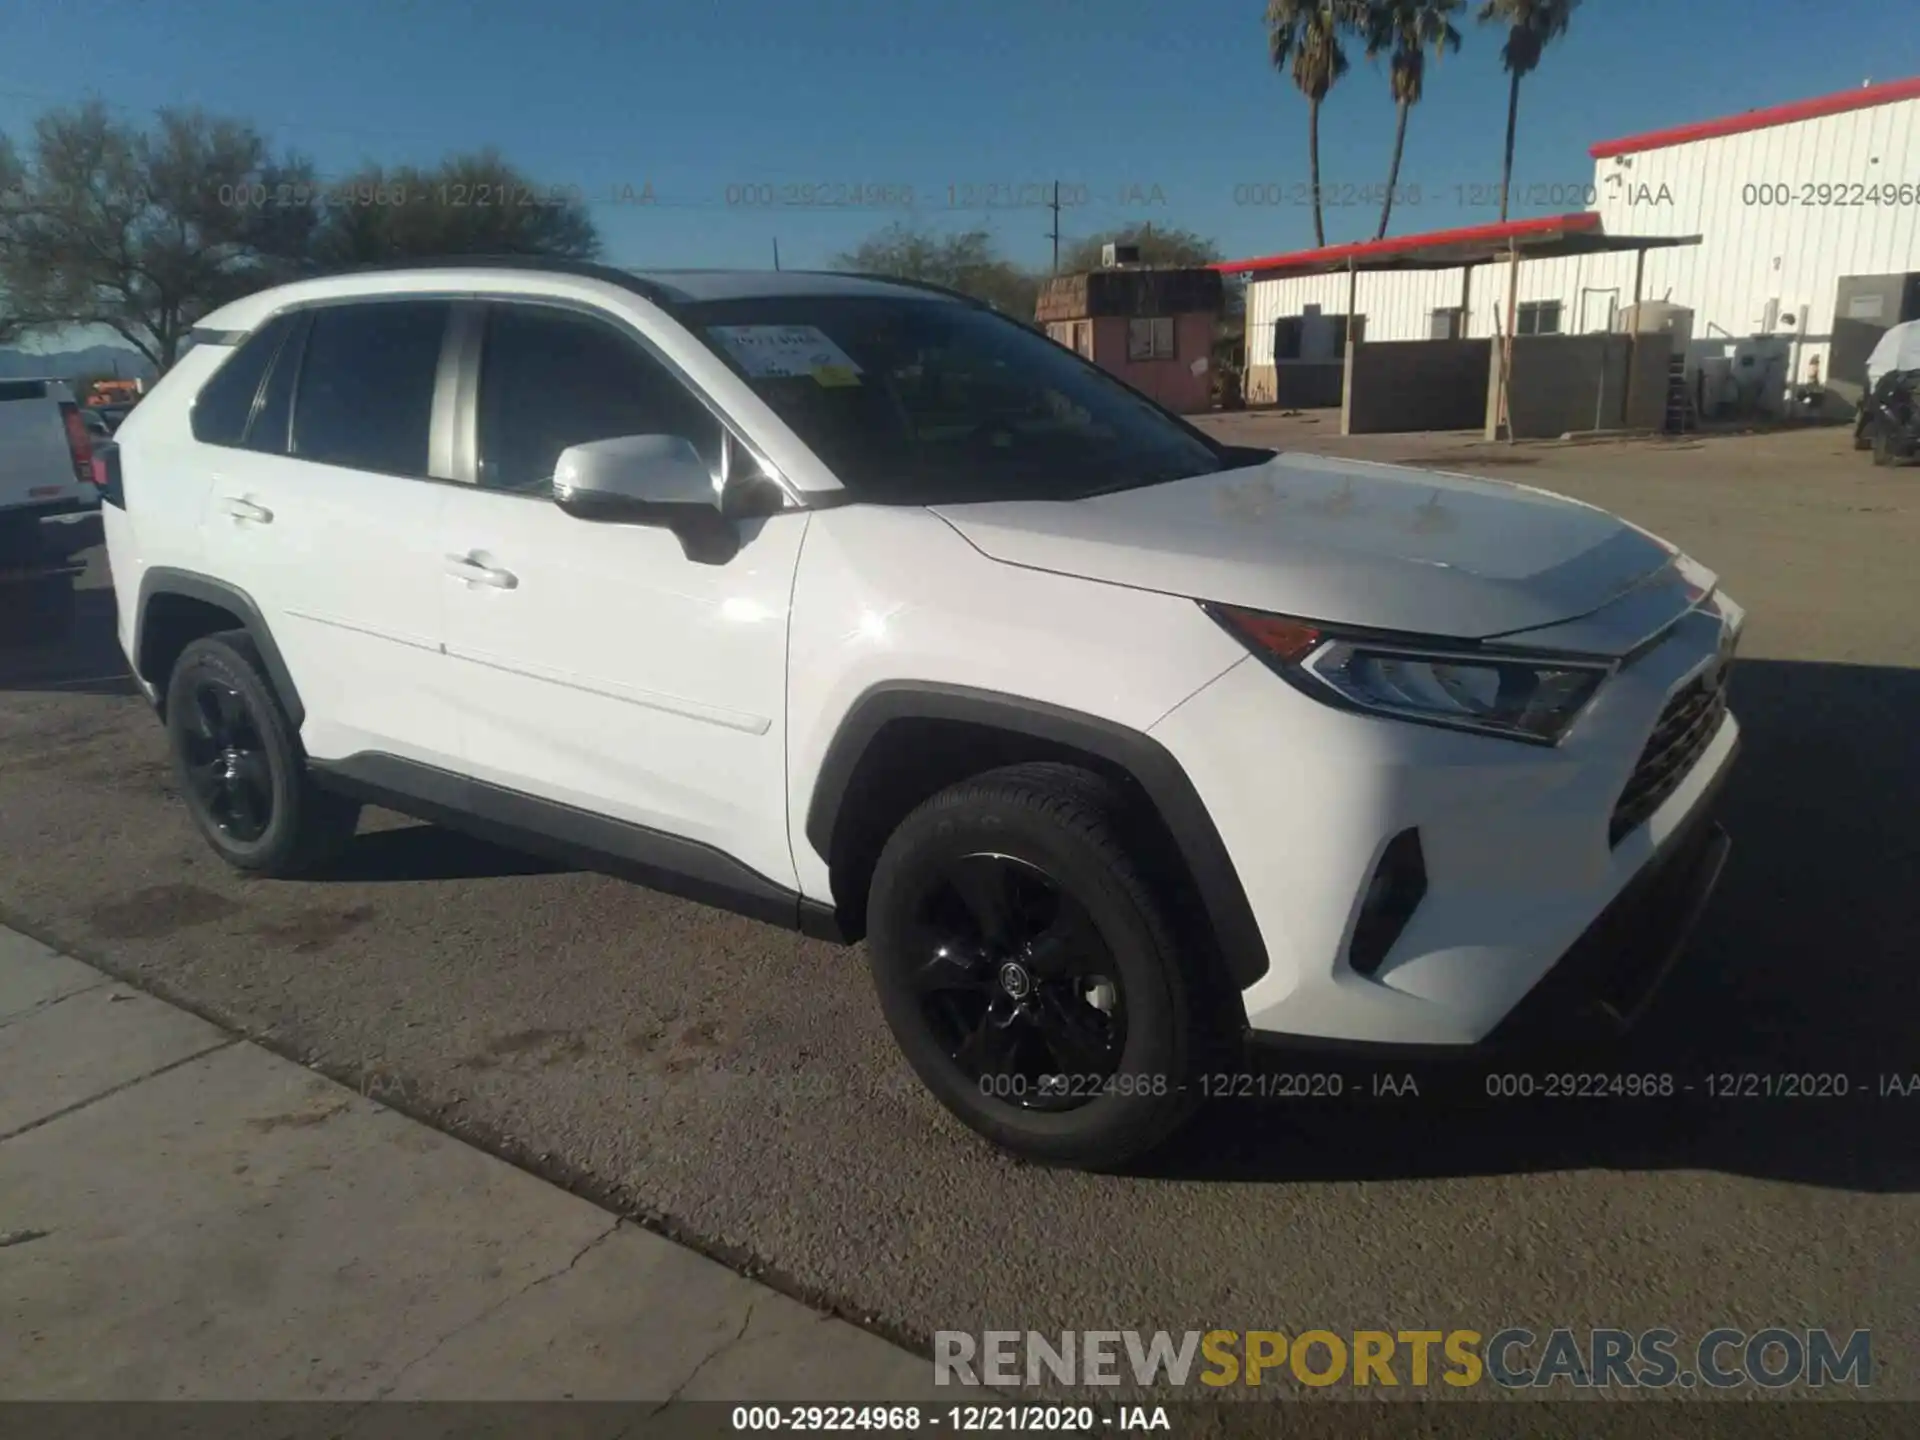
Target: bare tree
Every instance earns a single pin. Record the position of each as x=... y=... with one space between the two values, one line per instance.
x=143 y=232
x=467 y=205
x=146 y=231
x=1158 y=245
x=968 y=262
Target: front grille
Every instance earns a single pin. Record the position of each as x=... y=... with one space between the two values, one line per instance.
x=1680 y=737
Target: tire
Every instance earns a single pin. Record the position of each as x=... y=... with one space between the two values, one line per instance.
x=1863 y=435
x=1118 y=1018
x=1882 y=445
x=241 y=768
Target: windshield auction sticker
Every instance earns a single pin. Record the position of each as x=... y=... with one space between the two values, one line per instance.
x=779 y=351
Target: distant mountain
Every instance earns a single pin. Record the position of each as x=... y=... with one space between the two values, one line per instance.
x=66 y=364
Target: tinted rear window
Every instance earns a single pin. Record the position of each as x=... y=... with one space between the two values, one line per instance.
x=23 y=389
x=366 y=385
x=221 y=409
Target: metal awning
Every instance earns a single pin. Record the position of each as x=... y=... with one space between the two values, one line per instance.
x=1548 y=237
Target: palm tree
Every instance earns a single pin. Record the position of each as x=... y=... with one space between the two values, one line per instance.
x=1407 y=29
x=1532 y=25
x=1303 y=37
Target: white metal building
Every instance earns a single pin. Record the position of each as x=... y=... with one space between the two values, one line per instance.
x=1788 y=202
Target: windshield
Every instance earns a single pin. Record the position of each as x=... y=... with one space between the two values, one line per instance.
x=926 y=401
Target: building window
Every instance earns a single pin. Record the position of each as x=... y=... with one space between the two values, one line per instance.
x=1150 y=338
x=1061 y=332
x=1449 y=324
x=1538 y=317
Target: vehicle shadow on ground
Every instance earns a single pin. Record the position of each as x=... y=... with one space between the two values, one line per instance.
x=428 y=852
x=1806 y=964
x=84 y=661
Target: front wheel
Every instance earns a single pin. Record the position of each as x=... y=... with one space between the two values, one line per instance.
x=1031 y=974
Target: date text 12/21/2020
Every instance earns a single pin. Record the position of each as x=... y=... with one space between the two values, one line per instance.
x=1572 y=195
x=1453 y=1082
x=447 y=194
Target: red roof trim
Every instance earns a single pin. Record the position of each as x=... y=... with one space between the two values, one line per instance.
x=1862 y=99
x=1369 y=249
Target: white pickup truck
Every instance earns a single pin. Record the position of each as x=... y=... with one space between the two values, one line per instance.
x=46 y=468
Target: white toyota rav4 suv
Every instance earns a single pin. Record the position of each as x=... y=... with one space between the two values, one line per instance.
x=855 y=607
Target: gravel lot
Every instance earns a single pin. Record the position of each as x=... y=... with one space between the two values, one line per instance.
x=734 y=1084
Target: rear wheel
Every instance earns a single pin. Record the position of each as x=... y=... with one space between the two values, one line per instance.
x=1883 y=451
x=1029 y=972
x=241 y=767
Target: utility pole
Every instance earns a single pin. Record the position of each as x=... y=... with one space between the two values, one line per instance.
x=1054 y=234
x=776 y=252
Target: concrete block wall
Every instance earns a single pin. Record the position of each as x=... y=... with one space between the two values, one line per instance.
x=1563 y=383
x=1401 y=385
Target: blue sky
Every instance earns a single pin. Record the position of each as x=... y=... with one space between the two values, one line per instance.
x=1153 y=112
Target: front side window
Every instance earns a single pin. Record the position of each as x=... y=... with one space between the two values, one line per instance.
x=550 y=378
x=920 y=401
x=225 y=403
x=365 y=398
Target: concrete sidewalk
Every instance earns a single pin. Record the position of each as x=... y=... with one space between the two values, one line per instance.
x=186 y=1216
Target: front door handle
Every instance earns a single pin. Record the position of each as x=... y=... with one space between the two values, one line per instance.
x=465 y=567
x=241 y=509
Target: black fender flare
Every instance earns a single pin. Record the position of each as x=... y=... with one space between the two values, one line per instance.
x=166 y=580
x=1150 y=764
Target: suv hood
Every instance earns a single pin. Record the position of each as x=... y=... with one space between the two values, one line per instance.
x=1347 y=542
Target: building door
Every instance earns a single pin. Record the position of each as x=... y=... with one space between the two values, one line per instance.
x=1598 y=310
x=1865 y=308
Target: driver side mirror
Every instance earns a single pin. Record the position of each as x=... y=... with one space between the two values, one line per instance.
x=655 y=480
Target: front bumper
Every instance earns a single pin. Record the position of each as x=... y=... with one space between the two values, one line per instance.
x=1611 y=973
x=1531 y=906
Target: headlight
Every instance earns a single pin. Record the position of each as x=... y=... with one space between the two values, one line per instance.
x=1522 y=697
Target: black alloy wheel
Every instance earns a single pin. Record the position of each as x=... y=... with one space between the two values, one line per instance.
x=239 y=761
x=1018 y=986
x=225 y=759
x=1033 y=975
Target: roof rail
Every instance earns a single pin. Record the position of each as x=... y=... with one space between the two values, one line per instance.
x=554 y=265
x=946 y=290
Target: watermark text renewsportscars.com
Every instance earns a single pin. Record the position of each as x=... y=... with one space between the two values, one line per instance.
x=1511 y=1358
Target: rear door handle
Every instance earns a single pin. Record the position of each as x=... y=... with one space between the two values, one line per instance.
x=241 y=509
x=465 y=567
